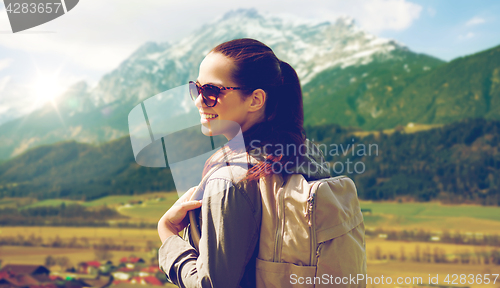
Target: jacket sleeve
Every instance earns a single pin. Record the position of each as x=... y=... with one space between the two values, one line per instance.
x=229 y=235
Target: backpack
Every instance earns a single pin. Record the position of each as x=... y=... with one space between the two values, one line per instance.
x=312 y=233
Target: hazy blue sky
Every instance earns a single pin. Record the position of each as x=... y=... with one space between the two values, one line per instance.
x=450 y=29
x=94 y=37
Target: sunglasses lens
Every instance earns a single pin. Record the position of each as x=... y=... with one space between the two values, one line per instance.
x=193 y=91
x=210 y=94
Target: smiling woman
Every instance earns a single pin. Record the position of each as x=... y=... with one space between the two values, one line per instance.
x=242 y=82
x=232 y=241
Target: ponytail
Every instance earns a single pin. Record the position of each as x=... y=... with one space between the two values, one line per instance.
x=283 y=124
x=285 y=102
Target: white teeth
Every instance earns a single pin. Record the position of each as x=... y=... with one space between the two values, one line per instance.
x=209 y=116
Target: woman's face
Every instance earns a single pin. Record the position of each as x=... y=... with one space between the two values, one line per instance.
x=216 y=69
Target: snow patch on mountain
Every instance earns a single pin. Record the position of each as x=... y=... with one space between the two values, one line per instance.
x=309 y=46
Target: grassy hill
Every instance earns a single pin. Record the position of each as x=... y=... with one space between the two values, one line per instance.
x=412 y=88
x=457 y=163
x=467 y=87
x=80 y=171
x=391 y=90
x=364 y=96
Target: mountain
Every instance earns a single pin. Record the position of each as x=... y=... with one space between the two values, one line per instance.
x=80 y=171
x=467 y=87
x=455 y=163
x=310 y=47
x=74 y=117
x=366 y=96
x=458 y=163
x=349 y=77
x=407 y=88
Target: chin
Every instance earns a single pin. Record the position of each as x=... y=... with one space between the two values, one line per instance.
x=205 y=129
x=221 y=127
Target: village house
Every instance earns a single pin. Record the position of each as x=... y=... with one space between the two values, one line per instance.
x=131 y=262
x=90 y=267
x=24 y=275
x=37 y=276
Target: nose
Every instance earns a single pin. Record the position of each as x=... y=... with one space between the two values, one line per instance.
x=199 y=101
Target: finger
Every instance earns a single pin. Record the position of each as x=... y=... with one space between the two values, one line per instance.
x=191 y=191
x=186 y=196
x=190 y=205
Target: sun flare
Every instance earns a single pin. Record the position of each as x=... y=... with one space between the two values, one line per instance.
x=47 y=87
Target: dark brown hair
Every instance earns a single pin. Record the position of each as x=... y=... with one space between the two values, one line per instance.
x=258 y=67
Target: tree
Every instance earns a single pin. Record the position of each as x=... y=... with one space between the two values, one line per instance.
x=103 y=254
x=402 y=257
x=50 y=261
x=64 y=262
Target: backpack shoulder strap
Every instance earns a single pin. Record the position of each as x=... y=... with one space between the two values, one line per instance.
x=195 y=230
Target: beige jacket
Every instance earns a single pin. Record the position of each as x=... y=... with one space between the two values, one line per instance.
x=231 y=213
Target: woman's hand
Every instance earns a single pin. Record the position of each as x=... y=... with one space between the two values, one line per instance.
x=174 y=220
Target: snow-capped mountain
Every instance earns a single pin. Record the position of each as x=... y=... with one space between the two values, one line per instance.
x=310 y=47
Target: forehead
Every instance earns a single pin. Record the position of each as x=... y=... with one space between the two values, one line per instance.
x=216 y=69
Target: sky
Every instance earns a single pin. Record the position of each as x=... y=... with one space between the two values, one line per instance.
x=96 y=36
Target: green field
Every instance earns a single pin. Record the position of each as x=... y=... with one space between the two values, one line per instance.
x=16 y=202
x=150 y=210
x=150 y=207
x=410 y=128
x=432 y=216
x=388 y=215
x=114 y=200
x=414 y=210
x=51 y=202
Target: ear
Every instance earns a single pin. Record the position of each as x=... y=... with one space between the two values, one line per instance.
x=257 y=100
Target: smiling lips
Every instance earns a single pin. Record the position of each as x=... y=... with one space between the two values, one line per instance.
x=208 y=116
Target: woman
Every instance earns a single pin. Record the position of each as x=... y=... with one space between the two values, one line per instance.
x=244 y=82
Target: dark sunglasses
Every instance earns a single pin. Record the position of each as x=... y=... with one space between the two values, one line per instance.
x=209 y=92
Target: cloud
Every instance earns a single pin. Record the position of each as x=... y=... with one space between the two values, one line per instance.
x=100 y=34
x=431 y=11
x=374 y=16
x=389 y=14
x=475 y=21
x=96 y=34
x=3 y=82
x=4 y=63
x=14 y=101
x=11 y=95
x=3 y=109
x=466 y=36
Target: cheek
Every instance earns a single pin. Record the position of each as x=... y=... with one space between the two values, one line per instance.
x=231 y=108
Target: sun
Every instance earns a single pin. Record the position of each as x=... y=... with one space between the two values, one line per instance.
x=47 y=87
